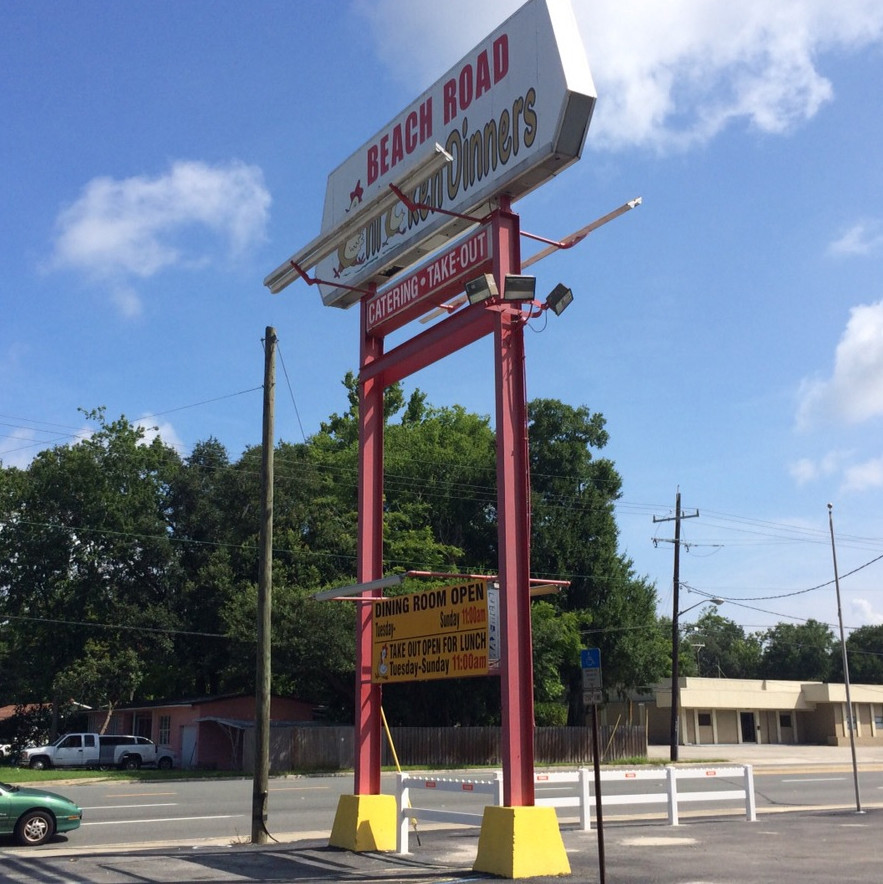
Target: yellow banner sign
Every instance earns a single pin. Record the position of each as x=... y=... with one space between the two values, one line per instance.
x=436 y=633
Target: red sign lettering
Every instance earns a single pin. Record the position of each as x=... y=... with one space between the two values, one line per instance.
x=401 y=141
x=474 y=80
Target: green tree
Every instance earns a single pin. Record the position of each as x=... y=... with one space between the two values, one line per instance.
x=85 y=554
x=344 y=428
x=103 y=677
x=203 y=528
x=575 y=537
x=116 y=549
x=556 y=645
x=314 y=546
x=798 y=652
x=440 y=489
x=726 y=651
x=864 y=649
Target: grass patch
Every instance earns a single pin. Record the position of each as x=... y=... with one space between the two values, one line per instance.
x=24 y=775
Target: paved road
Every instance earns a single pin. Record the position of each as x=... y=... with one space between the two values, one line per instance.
x=218 y=811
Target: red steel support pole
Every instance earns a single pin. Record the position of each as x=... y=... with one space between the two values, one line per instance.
x=513 y=520
x=369 y=733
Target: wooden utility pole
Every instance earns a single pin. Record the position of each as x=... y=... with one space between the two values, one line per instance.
x=674 y=736
x=259 y=834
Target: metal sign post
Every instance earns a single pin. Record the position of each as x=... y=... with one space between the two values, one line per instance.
x=507 y=117
x=590 y=660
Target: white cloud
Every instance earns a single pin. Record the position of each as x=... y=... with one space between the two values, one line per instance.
x=864 y=611
x=854 y=392
x=162 y=430
x=119 y=230
x=804 y=470
x=669 y=75
x=808 y=470
x=858 y=477
x=862 y=238
x=19 y=447
x=126 y=299
x=864 y=476
x=22 y=445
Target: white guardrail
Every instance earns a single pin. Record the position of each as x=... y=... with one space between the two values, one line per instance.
x=405 y=784
x=582 y=781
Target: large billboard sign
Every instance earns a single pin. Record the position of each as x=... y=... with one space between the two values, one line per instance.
x=510 y=115
x=445 y=632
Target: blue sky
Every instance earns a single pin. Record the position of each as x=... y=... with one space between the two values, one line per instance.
x=160 y=159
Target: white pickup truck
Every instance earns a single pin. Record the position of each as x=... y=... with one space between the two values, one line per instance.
x=98 y=750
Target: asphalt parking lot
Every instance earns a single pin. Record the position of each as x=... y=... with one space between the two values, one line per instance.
x=808 y=847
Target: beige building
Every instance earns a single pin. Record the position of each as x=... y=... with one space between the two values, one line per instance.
x=731 y=710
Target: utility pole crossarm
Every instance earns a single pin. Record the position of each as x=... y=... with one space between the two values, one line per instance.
x=674 y=518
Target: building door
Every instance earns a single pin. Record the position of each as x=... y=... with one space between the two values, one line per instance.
x=749 y=735
x=188 y=746
x=142 y=726
x=786 y=728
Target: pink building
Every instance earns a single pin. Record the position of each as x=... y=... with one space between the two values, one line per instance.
x=207 y=732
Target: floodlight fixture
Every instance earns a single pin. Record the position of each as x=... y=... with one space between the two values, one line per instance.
x=481 y=289
x=559 y=299
x=519 y=288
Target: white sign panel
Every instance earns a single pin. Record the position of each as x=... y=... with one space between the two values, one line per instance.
x=511 y=114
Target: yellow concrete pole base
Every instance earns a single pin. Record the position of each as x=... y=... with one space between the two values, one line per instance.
x=521 y=842
x=365 y=822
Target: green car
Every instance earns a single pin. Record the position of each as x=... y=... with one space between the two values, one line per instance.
x=32 y=816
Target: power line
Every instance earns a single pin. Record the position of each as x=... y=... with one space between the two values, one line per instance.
x=80 y=433
x=203 y=402
x=290 y=390
x=97 y=625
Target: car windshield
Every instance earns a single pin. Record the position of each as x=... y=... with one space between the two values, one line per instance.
x=6 y=787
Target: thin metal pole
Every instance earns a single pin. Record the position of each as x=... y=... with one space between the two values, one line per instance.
x=849 y=713
x=599 y=811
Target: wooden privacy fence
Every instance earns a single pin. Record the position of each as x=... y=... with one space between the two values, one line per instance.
x=331 y=748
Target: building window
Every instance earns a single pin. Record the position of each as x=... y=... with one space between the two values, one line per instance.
x=704 y=719
x=784 y=719
x=165 y=729
x=878 y=716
